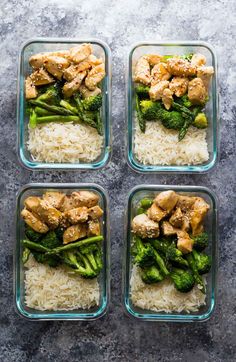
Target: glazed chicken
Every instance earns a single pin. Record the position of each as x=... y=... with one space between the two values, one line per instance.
x=167 y=200
x=197 y=92
x=159 y=72
x=179 y=86
x=156 y=91
x=142 y=71
x=145 y=227
x=41 y=77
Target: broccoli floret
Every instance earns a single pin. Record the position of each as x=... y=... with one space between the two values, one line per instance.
x=50 y=240
x=32 y=235
x=142 y=91
x=203 y=262
x=94 y=256
x=151 y=275
x=200 y=241
x=92 y=103
x=141 y=120
x=144 y=253
x=174 y=255
x=184 y=100
x=197 y=277
x=51 y=96
x=200 y=121
x=51 y=260
x=140 y=210
x=59 y=233
x=183 y=280
x=161 y=245
x=187 y=56
x=25 y=255
x=79 y=263
x=150 y=110
x=145 y=203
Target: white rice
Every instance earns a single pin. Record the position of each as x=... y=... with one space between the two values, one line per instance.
x=163 y=297
x=160 y=146
x=56 y=289
x=64 y=142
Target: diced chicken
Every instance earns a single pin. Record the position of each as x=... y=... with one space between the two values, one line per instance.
x=185 y=203
x=30 y=89
x=153 y=59
x=95 y=76
x=78 y=215
x=55 y=65
x=32 y=203
x=95 y=212
x=74 y=233
x=142 y=71
x=197 y=92
x=179 y=86
x=64 y=222
x=71 y=87
x=85 y=198
x=167 y=98
x=198 y=59
x=205 y=74
x=86 y=93
x=93 y=228
x=168 y=229
x=68 y=204
x=34 y=222
x=199 y=211
x=41 y=77
x=181 y=67
x=167 y=200
x=177 y=218
x=159 y=72
x=186 y=223
x=54 y=198
x=144 y=227
x=184 y=243
x=81 y=52
x=37 y=60
x=156 y=91
x=48 y=214
x=155 y=213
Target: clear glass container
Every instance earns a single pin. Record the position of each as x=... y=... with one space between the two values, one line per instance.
x=210 y=225
x=177 y=48
x=19 y=270
x=39 y=45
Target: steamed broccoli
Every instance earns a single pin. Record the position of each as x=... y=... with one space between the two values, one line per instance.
x=182 y=279
x=92 y=103
x=25 y=255
x=146 y=202
x=144 y=253
x=203 y=262
x=150 y=110
x=32 y=235
x=174 y=255
x=197 y=277
x=161 y=264
x=184 y=100
x=50 y=96
x=200 y=241
x=79 y=263
x=50 y=240
x=141 y=120
x=161 y=244
x=142 y=91
x=151 y=275
x=93 y=253
x=140 y=210
x=200 y=121
x=52 y=261
x=59 y=233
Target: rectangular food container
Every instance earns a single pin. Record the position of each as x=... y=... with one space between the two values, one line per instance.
x=104 y=277
x=176 y=48
x=210 y=223
x=33 y=46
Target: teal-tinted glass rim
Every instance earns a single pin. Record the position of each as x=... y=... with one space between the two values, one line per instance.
x=166 y=169
x=16 y=257
x=30 y=164
x=174 y=317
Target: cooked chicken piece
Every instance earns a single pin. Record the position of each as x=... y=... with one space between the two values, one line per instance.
x=186 y=223
x=71 y=87
x=86 y=93
x=48 y=214
x=41 y=77
x=168 y=229
x=144 y=227
x=167 y=200
x=184 y=243
x=74 y=233
x=34 y=222
x=81 y=52
x=30 y=89
x=142 y=71
x=179 y=86
x=95 y=212
x=177 y=218
x=153 y=59
x=198 y=59
x=54 y=198
x=64 y=222
x=85 y=198
x=205 y=74
x=32 y=203
x=71 y=72
x=37 y=60
x=199 y=211
x=185 y=203
x=181 y=67
x=155 y=213
x=159 y=72
x=156 y=91
x=55 y=65
x=167 y=98
x=93 y=228
x=197 y=92
x=95 y=76
x=75 y=216
x=68 y=204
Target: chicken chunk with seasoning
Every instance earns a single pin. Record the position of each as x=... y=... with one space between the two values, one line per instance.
x=168 y=229
x=30 y=89
x=153 y=59
x=78 y=215
x=144 y=227
x=185 y=203
x=142 y=71
x=86 y=93
x=81 y=52
x=167 y=200
x=93 y=228
x=198 y=59
x=156 y=91
x=74 y=232
x=95 y=76
x=85 y=198
x=159 y=72
x=179 y=86
x=184 y=242
x=177 y=218
x=54 y=198
x=71 y=72
x=41 y=77
x=205 y=74
x=95 y=212
x=34 y=222
x=198 y=213
x=56 y=65
x=37 y=60
x=197 y=92
x=155 y=213
x=70 y=88
x=181 y=68
x=167 y=98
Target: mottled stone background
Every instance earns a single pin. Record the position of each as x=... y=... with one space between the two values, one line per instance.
x=120 y=23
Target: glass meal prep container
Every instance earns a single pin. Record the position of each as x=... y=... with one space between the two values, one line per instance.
x=19 y=270
x=39 y=45
x=211 y=109
x=210 y=226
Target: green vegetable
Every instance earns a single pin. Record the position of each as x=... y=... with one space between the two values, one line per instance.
x=182 y=280
x=140 y=210
x=175 y=255
x=141 y=120
x=41 y=112
x=150 y=110
x=160 y=262
x=34 y=246
x=200 y=121
x=79 y=263
x=200 y=241
x=184 y=100
x=52 y=261
x=68 y=106
x=161 y=245
x=75 y=245
x=59 y=233
x=51 y=108
x=86 y=118
x=50 y=240
x=145 y=203
x=92 y=103
x=203 y=262
x=99 y=123
x=58 y=118
x=32 y=235
x=33 y=119
x=151 y=275
x=50 y=96
x=91 y=253
x=25 y=255
x=187 y=56
x=144 y=253
x=197 y=277
x=142 y=91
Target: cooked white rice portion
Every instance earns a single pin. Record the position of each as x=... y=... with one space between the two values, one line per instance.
x=163 y=297
x=56 y=289
x=160 y=146
x=64 y=142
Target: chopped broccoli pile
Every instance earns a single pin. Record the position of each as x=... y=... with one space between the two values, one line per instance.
x=32 y=235
x=93 y=103
x=142 y=91
x=183 y=280
x=151 y=275
x=200 y=241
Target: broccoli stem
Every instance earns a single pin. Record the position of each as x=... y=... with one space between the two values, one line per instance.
x=90 y=122
x=42 y=112
x=58 y=118
x=33 y=119
x=68 y=106
x=54 y=109
x=77 y=244
x=141 y=120
x=99 y=123
x=161 y=263
x=34 y=246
